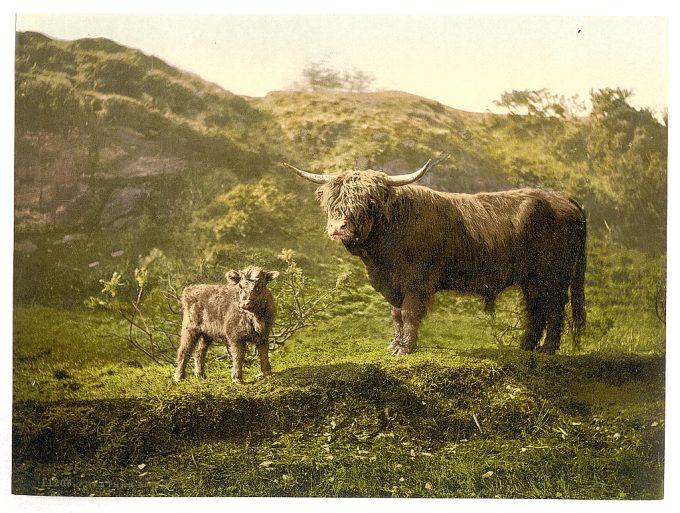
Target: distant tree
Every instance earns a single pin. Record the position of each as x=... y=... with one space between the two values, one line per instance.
x=540 y=104
x=629 y=147
x=623 y=148
x=357 y=81
x=318 y=75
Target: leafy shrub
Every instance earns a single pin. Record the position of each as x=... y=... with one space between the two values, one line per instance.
x=118 y=75
x=46 y=102
x=253 y=209
x=170 y=95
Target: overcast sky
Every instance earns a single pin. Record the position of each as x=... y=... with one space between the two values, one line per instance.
x=465 y=62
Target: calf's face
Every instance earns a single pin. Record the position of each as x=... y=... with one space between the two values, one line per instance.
x=252 y=284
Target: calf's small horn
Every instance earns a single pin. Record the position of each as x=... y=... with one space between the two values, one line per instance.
x=312 y=177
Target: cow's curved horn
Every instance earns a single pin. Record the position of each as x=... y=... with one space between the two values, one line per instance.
x=412 y=177
x=312 y=177
x=409 y=178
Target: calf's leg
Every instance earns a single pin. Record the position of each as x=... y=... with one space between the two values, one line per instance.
x=186 y=346
x=200 y=354
x=263 y=355
x=238 y=354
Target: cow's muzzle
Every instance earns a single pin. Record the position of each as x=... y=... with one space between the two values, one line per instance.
x=338 y=231
x=247 y=305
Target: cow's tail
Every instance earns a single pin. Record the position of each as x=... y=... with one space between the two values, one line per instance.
x=577 y=288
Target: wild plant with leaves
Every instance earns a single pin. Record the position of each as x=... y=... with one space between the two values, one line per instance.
x=149 y=305
x=301 y=303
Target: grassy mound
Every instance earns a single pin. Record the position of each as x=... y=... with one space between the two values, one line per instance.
x=485 y=423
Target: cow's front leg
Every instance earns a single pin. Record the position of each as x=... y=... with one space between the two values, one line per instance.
x=398 y=323
x=413 y=310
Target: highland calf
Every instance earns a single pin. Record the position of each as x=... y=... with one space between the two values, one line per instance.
x=237 y=313
x=415 y=241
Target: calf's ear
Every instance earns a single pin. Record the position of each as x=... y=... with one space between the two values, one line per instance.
x=271 y=275
x=234 y=276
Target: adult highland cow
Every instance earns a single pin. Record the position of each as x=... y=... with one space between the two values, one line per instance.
x=416 y=241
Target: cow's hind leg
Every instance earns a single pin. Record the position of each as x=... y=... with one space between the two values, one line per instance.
x=413 y=310
x=200 y=354
x=187 y=343
x=555 y=319
x=535 y=320
x=398 y=323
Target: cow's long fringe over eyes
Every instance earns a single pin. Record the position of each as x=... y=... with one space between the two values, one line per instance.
x=355 y=196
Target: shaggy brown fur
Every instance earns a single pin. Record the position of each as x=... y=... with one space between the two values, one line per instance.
x=240 y=312
x=416 y=241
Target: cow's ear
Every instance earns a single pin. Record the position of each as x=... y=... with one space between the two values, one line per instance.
x=271 y=275
x=318 y=194
x=234 y=276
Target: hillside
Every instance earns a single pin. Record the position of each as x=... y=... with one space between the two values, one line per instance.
x=118 y=153
x=102 y=111
x=391 y=131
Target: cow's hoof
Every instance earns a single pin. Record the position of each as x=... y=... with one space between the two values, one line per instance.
x=394 y=343
x=177 y=378
x=263 y=375
x=238 y=382
x=547 y=350
x=400 y=351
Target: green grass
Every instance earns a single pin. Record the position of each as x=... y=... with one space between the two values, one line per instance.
x=468 y=415
x=338 y=418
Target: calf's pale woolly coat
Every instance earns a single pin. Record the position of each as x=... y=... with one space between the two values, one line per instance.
x=237 y=313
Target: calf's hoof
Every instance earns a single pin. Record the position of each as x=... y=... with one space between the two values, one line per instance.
x=238 y=381
x=547 y=350
x=177 y=377
x=263 y=375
